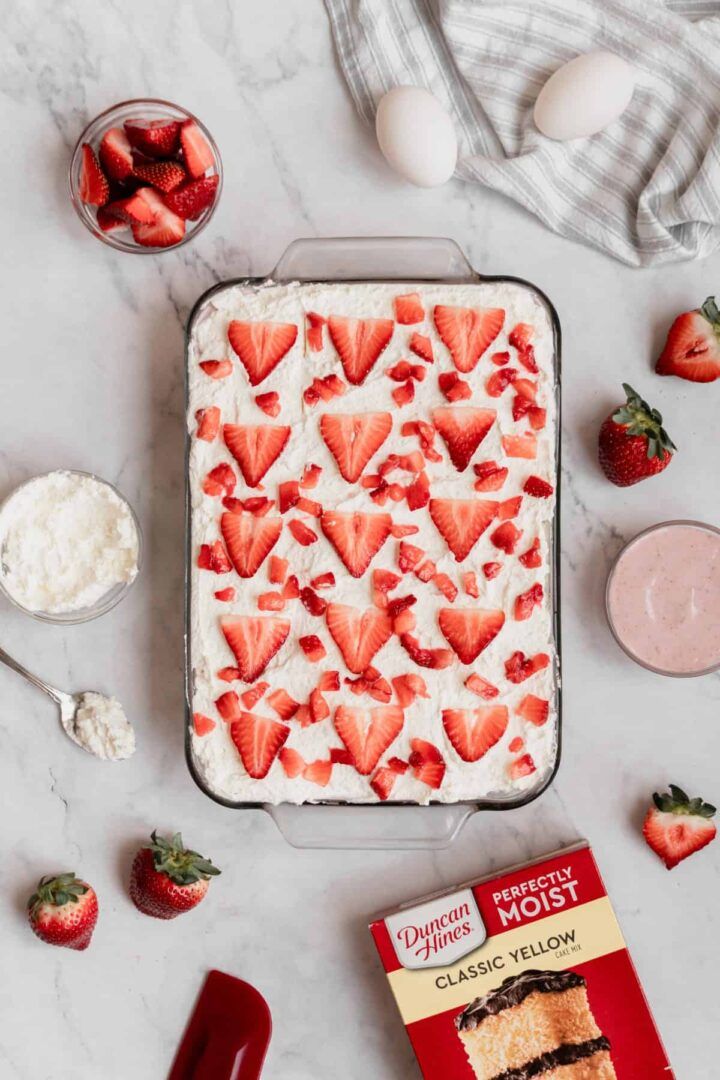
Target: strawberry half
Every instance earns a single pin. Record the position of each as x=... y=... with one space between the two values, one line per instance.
x=115 y=154
x=367 y=733
x=462 y=430
x=359 y=635
x=470 y=630
x=467 y=332
x=676 y=826
x=356 y=537
x=192 y=199
x=93 y=186
x=258 y=740
x=692 y=349
x=359 y=343
x=633 y=444
x=353 y=438
x=254 y=640
x=461 y=522
x=164 y=230
x=473 y=732
x=249 y=540
x=255 y=447
x=156 y=138
x=261 y=345
x=197 y=155
x=163 y=175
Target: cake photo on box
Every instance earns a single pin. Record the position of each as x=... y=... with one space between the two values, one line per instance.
x=535 y=1024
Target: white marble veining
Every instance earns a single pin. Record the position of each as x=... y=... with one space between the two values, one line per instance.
x=92 y=379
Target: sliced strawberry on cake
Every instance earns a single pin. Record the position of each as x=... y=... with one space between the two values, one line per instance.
x=426 y=762
x=533 y=709
x=255 y=447
x=356 y=537
x=359 y=343
x=359 y=635
x=470 y=630
x=462 y=429
x=258 y=740
x=473 y=732
x=249 y=540
x=254 y=640
x=353 y=438
x=368 y=733
x=261 y=346
x=467 y=332
x=409 y=309
x=461 y=522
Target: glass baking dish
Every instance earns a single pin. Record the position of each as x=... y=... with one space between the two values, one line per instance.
x=325 y=824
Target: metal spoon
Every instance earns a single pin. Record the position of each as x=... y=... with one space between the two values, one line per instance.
x=69 y=703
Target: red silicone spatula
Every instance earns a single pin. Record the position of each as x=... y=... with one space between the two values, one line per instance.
x=227 y=1035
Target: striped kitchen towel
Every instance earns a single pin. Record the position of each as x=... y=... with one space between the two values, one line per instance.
x=646 y=190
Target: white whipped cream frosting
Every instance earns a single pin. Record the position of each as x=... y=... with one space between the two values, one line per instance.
x=215 y=755
x=102 y=727
x=66 y=539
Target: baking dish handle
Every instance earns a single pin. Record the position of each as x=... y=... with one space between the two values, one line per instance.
x=373 y=258
x=374 y=827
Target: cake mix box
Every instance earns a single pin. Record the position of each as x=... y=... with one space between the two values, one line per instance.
x=521 y=975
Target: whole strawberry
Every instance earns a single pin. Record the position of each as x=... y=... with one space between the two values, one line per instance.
x=692 y=349
x=676 y=826
x=167 y=879
x=633 y=444
x=63 y=910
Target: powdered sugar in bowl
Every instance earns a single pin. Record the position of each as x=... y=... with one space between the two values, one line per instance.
x=70 y=546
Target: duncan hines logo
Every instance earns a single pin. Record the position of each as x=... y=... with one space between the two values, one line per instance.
x=541 y=895
x=437 y=933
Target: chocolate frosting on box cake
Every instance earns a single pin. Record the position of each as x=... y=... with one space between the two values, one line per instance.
x=567 y=1054
x=512 y=991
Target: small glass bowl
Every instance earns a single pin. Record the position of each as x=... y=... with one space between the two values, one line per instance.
x=109 y=599
x=148 y=109
x=702 y=525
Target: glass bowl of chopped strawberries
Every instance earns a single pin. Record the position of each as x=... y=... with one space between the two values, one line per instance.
x=145 y=176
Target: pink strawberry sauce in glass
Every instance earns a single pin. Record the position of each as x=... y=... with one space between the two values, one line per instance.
x=663 y=598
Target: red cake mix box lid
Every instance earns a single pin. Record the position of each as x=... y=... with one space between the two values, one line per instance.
x=519 y=976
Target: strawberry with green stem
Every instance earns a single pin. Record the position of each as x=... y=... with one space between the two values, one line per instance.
x=676 y=825
x=168 y=879
x=633 y=444
x=692 y=349
x=63 y=911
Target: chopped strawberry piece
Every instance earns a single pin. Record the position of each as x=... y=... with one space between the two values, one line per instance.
x=254 y=640
x=323 y=581
x=522 y=766
x=357 y=686
x=329 y=681
x=409 y=556
x=467 y=332
x=165 y=229
x=526 y=388
x=401 y=371
x=156 y=138
x=312 y=603
x=519 y=667
x=310 y=476
x=528 y=601
x=533 y=709
x=520 y=446
x=398 y=765
x=251 y=697
x=396 y=606
x=490 y=476
x=277 y=570
x=302 y=533
x=291 y=588
x=459 y=391
x=255 y=447
x=220 y=481
x=470 y=583
x=403 y=395
x=500 y=358
x=499 y=381
x=356 y=537
x=510 y=508
x=538 y=488
x=202 y=724
x=484 y=689
x=515 y=745
x=309 y=506
x=318 y=772
x=358 y=634
x=258 y=505
x=521 y=407
x=421 y=345
x=314 y=331
x=288 y=495
x=418 y=493
x=359 y=343
x=409 y=309
x=269 y=403
x=234 y=506
x=313 y=648
x=208 y=423
x=506 y=536
x=116 y=157
x=293 y=763
x=491 y=569
x=409 y=687
x=367 y=734
x=340 y=756
x=319 y=387
x=214 y=557
x=197 y=154
x=446 y=586
x=261 y=346
x=473 y=732
x=271 y=601
x=399 y=531
x=217 y=369
x=404 y=623
x=385 y=580
x=319 y=708
x=426 y=571
x=380 y=494
x=284 y=705
x=191 y=200
x=352 y=439
x=380 y=690
x=461 y=522
x=303 y=717
x=519 y=337
x=470 y=630
x=426 y=762
x=382 y=782
x=228 y=705
x=225 y=595
x=537 y=417
x=249 y=540
x=429 y=658
x=107 y=220
x=93 y=186
x=163 y=175
x=532 y=557
x=462 y=429
x=310 y=396
x=228 y=674
x=136 y=209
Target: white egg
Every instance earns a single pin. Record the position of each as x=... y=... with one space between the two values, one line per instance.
x=584 y=96
x=416 y=136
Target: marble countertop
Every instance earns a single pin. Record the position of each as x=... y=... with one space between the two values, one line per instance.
x=93 y=379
